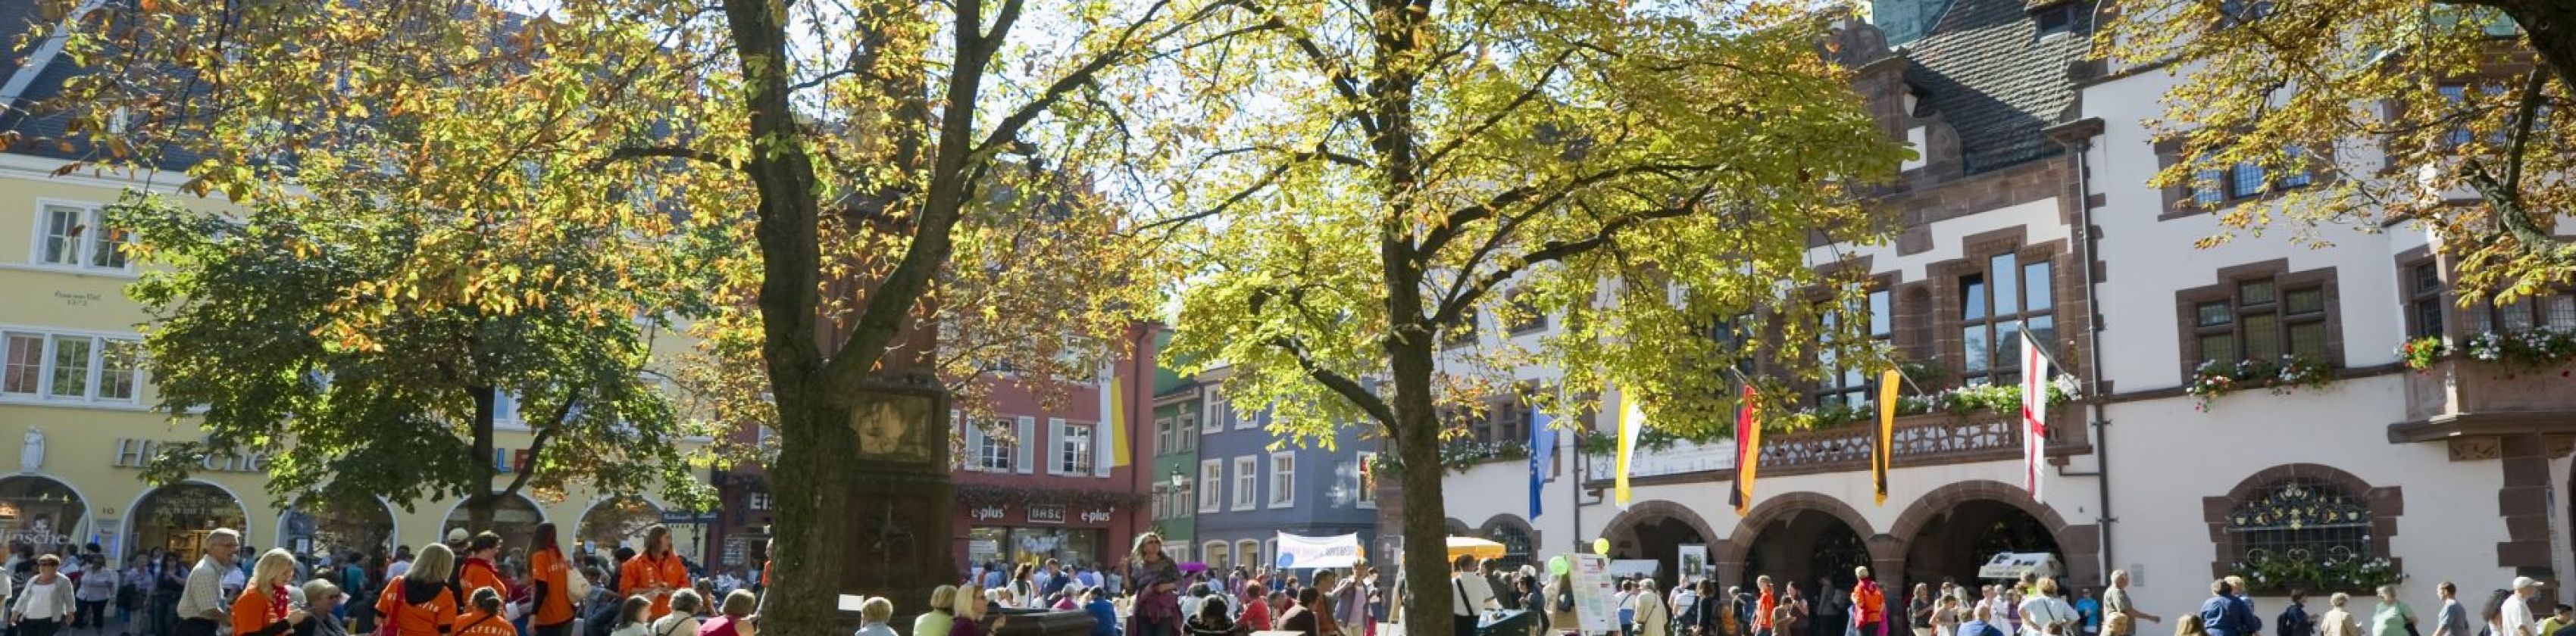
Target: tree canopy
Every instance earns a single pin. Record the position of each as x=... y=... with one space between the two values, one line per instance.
x=2449 y=116
x=1652 y=175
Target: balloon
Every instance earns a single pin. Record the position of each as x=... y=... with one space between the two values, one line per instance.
x=1601 y=547
x=1558 y=566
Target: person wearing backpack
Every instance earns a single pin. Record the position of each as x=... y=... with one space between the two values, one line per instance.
x=1560 y=605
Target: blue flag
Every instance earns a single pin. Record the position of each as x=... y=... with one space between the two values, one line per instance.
x=1542 y=452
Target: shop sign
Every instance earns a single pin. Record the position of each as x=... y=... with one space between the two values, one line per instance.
x=688 y=518
x=1096 y=516
x=137 y=453
x=1046 y=514
x=984 y=513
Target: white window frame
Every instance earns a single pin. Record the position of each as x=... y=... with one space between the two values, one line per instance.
x=94 y=375
x=1009 y=450
x=1247 y=483
x=1368 y=473
x=1212 y=471
x=1270 y=551
x=1216 y=408
x=1283 y=483
x=1186 y=432
x=85 y=248
x=1163 y=438
x=1215 y=548
x=1243 y=421
x=1075 y=451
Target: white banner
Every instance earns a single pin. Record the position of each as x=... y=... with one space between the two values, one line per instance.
x=1302 y=552
x=1593 y=607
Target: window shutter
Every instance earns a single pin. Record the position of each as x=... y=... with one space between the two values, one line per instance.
x=1101 y=450
x=1028 y=442
x=1057 y=443
x=974 y=442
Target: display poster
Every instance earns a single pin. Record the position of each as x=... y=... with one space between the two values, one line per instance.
x=1594 y=608
x=1694 y=560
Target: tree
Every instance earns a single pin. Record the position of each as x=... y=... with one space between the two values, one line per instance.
x=824 y=162
x=273 y=331
x=1647 y=173
x=2453 y=116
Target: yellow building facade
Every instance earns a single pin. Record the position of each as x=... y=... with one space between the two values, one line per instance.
x=77 y=422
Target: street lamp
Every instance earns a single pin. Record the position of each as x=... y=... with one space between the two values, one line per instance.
x=1178 y=480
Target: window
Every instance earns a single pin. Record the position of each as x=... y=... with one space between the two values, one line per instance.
x=1218 y=558
x=1163 y=437
x=2424 y=300
x=2554 y=311
x=69 y=367
x=2053 y=20
x=1182 y=498
x=1212 y=473
x=71 y=235
x=1177 y=553
x=1368 y=480
x=2262 y=321
x=1162 y=496
x=1995 y=306
x=2301 y=524
x=2217 y=187
x=1461 y=332
x=1218 y=412
x=1527 y=315
x=1187 y=432
x=995 y=453
x=1074 y=453
x=1247 y=479
x=1283 y=479
x=1849 y=384
x=1248 y=552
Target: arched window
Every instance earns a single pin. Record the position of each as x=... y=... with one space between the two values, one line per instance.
x=2308 y=534
x=1516 y=546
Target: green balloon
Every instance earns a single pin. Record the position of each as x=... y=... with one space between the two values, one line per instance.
x=1601 y=547
x=1557 y=565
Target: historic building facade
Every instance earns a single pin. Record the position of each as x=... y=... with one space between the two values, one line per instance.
x=1177 y=408
x=1069 y=480
x=1252 y=484
x=2027 y=211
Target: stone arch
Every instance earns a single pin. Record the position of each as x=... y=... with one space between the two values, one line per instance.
x=1734 y=555
x=1507 y=522
x=2386 y=503
x=1646 y=531
x=2079 y=545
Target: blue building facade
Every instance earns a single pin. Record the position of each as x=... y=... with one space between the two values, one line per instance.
x=1249 y=492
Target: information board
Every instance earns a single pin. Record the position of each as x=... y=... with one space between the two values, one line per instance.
x=1594 y=607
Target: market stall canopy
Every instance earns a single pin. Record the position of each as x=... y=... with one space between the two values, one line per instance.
x=1298 y=552
x=1471 y=546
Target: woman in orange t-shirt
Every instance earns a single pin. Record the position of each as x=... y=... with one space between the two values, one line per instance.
x=550 y=574
x=478 y=572
x=420 y=603
x=654 y=573
x=265 y=608
x=485 y=619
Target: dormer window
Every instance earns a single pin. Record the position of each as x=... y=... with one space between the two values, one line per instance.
x=2053 y=19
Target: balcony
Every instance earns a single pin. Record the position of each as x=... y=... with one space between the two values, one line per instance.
x=2463 y=397
x=1921 y=440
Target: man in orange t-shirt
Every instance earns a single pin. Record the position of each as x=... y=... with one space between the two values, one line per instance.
x=654 y=573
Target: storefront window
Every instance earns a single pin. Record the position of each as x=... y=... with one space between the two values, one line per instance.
x=178 y=517
x=984 y=545
x=338 y=527
x=40 y=512
x=1068 y=545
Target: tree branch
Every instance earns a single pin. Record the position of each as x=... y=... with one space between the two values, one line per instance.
x=672 y=152
x=1342 y=384
x=1440 y=236
x=1257 y=186
x=1535 y=89
x=537 y=447
x=819 y=80
x=1554 y=251
x=2524 y=117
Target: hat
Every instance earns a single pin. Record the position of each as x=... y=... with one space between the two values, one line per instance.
x=2520 y=582
x=457 y=536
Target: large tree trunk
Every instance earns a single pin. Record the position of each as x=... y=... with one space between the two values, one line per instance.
x=1426 y=519
x=479 y=504
x=812 y=503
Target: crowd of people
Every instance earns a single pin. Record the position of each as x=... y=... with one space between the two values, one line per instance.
x=2031 y=606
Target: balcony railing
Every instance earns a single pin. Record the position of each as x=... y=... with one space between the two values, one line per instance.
x=2458 y=396
x=1920 y=440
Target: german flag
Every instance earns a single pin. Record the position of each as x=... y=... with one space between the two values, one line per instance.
x=1748 y=451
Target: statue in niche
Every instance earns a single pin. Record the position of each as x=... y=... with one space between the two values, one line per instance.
x=32 y=455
